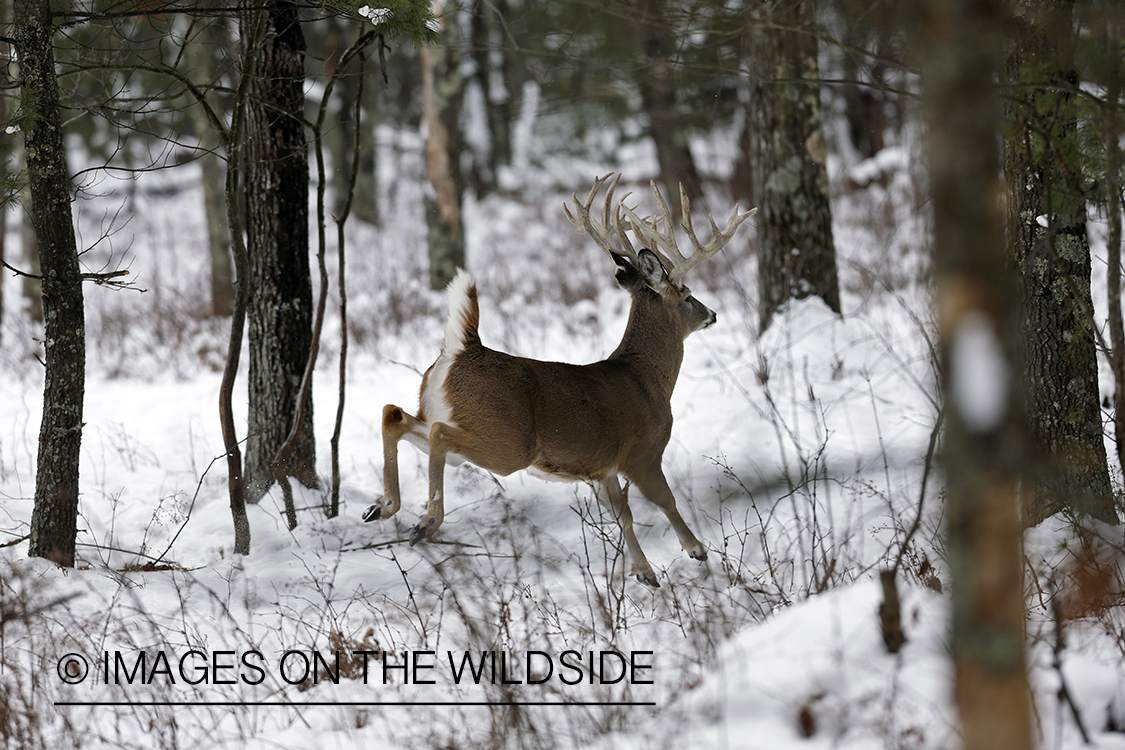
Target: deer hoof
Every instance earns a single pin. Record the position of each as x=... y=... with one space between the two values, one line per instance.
x=647 y=577
x=422 y=531
x=373 y=513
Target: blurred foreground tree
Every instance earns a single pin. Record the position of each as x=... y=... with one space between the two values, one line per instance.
x=796 y=250
x=978 y=318
x=1049 y=247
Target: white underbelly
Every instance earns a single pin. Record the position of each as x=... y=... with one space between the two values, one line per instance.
x=548 y=476
x=422 y=444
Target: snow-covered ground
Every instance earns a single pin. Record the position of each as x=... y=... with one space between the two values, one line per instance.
x=797 y=457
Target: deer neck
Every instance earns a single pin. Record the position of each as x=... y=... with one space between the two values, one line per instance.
x=653 y=342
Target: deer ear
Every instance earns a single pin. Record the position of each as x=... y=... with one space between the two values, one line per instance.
x=651 y=270
x=626 y=275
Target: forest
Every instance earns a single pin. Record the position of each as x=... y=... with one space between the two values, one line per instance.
x=852 y=374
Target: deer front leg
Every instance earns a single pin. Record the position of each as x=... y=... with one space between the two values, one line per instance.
x=444 y=439
x=396 y=425
x=654 y=486
x=609 y=494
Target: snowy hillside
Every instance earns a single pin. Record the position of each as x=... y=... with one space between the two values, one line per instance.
x=797 y=457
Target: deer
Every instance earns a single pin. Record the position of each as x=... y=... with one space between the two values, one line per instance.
x=594 y=422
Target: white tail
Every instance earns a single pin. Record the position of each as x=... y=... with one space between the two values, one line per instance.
x=578 y=422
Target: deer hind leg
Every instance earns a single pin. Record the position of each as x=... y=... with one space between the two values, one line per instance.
x=443 y=440
x=609 y=494
x=654 y=486
x=397 y=424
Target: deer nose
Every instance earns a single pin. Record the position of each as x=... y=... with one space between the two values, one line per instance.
x=711 y=318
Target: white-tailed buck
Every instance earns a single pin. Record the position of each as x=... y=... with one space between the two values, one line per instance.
x=577 y=422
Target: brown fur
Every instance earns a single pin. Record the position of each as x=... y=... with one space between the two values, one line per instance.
x=578 y=422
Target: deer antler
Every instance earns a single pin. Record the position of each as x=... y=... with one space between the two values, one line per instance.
x=647 y=231
x=663 y=243
x=602 y=234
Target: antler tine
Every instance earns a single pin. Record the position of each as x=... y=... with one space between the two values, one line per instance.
x=666 y=240
x=619 y=218
x=601 y=234
x=622 y=225
x=649 y=234
x=718 y=241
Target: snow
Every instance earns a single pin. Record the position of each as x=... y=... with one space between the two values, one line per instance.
x=796 y=457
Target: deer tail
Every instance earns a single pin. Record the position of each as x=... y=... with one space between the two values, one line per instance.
x=464 y=314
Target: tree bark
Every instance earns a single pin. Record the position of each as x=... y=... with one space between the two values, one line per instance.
x=55 y=516
x=1050 y=251
x=442 y=89
x=796 y=251
x=280 y=294
x=982 y=449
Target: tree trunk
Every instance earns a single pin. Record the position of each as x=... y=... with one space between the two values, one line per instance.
x=362 y=194
x=658 y=97
x=1050 y=250
x=442 y=89
x=55 y=516
x=796 y=252
x=218 y=237
x=280 y=299
x=870 y=110
x=742 y=181
x=489 y=73
x=959 y=42
x=215 y=38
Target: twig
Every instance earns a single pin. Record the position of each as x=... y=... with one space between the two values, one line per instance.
x=122 y=550
x=191 y=506
x=1056 y=663
x=404 y=540
x=922 y=492
x=16 y=541
x=18 y=272
x=105 y=279
x=334 y=503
